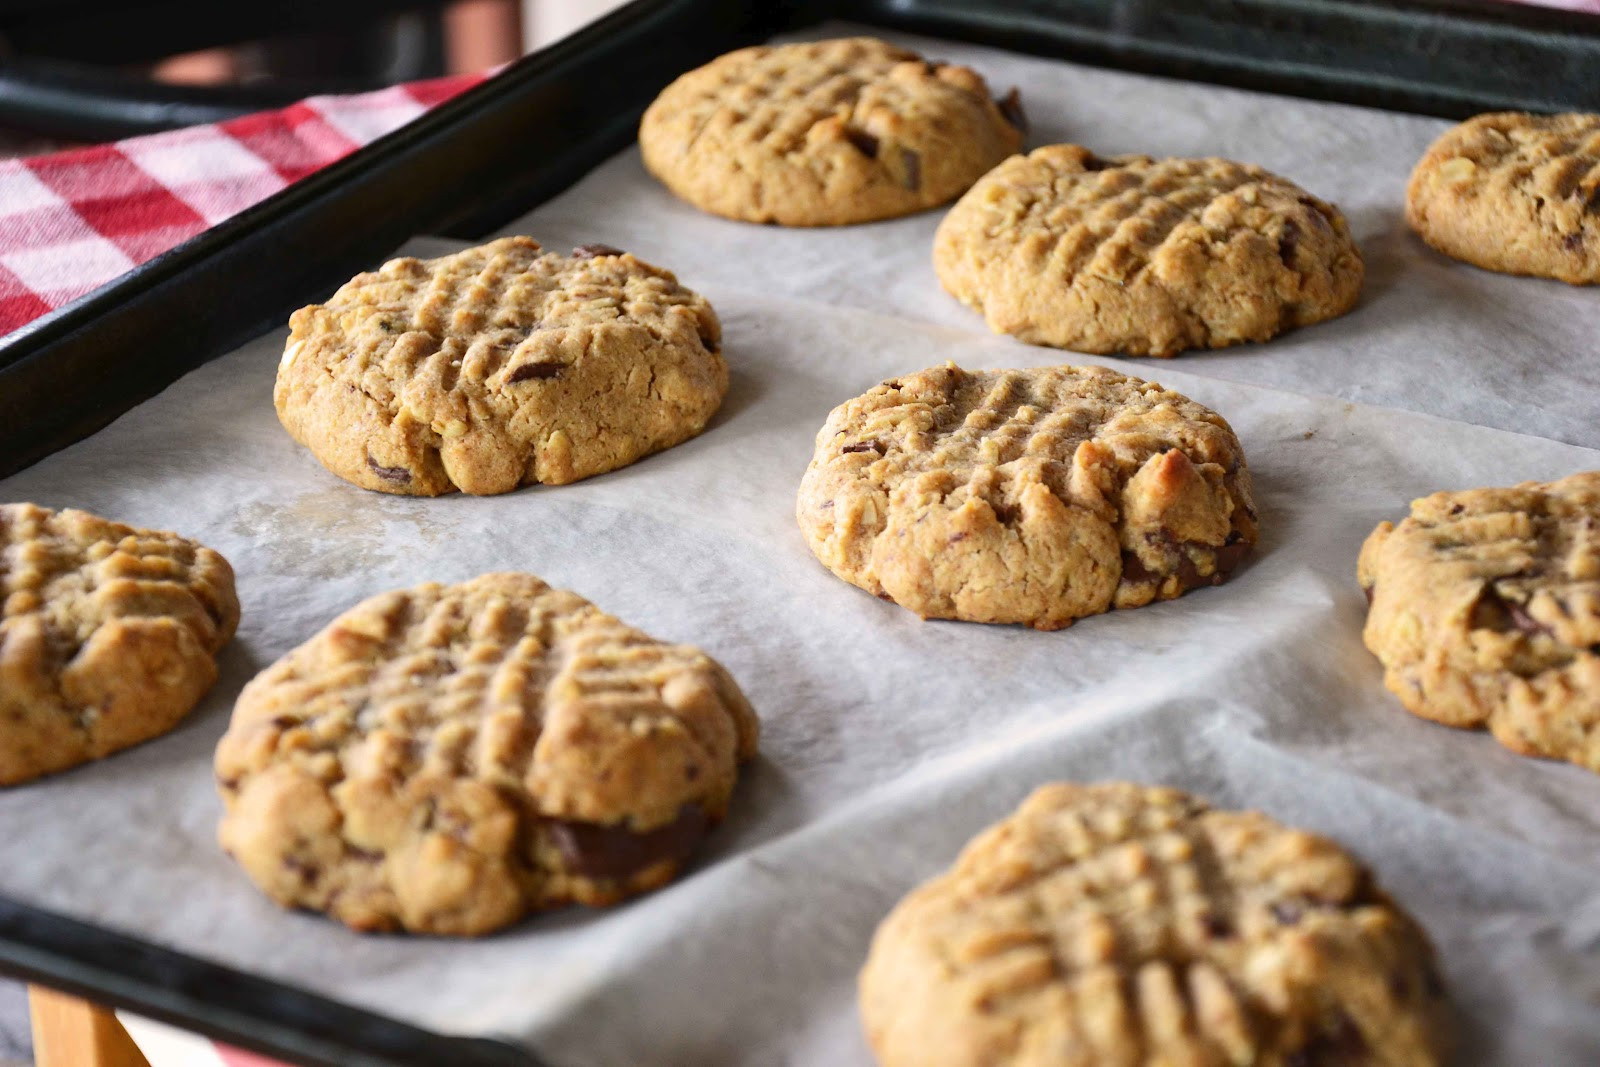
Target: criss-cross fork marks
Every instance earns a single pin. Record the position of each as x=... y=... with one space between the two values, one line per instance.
x=457 y=681
x=825 y=133
x=1144 y=256
x=1111 y=217
x=498 y=367
x=1036 y=496
x=1514 y=192
x=775 y=97
x=471 y=317
x=779 y=108
x=1534 y=553
x=75 y=572
x=446 y=758
x=1485 y=612
x=964 y=425
x=1126 y=924
x=1553 y=157
x=1112 y=228
x=108 y=637
x=1157 y=904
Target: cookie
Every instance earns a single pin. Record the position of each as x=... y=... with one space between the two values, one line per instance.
x=1121 y=925
x=498 y=367
x=446 y=759
x=824 y=134
x=1485 y=612
x=1144 y=256
x=1515 y=193
x=109 y=635
x=1027 y=496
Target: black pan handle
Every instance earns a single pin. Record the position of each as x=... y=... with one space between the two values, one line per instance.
x=220 y=1002
x=77 y=102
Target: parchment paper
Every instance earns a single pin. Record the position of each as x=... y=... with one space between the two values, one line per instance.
x=889 y=741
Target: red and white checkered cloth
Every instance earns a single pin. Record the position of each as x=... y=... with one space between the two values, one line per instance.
x=167 y=1046
x=72 y=221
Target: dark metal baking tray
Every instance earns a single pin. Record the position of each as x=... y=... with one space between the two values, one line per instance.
x=524 y=136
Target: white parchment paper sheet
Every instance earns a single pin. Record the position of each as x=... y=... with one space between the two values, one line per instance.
x=889 y=741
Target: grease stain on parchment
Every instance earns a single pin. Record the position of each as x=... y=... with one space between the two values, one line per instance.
x=328 y=534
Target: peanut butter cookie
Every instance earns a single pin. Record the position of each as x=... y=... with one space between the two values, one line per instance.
x=109 y=635
x=1116 y=925
x=446 y=759
x=1514 y=192
x=1144 y=256
x=823 y=134
x=500 y=366
x=1028 y=496
x=1486 y=613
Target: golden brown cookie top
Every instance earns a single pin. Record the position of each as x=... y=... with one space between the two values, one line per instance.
x=1035 y=496
x=1514 y=192
x=109 y=634
x=1485 y=610
x=839 y=131
x=507 y=681
x=1119 y=924
x=499 y=366
x=1144 y=256
x=507 y=735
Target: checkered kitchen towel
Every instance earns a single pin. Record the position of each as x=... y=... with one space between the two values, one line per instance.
x=72 y=221
x=167 y=1046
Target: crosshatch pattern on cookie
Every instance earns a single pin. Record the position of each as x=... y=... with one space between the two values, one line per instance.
x=1121 y=924
x=1144 y=256
x=109 y=635
x=1485 y=612
x=500 y=366
x=1033 y=496
x=447 y=758
x=833 y=132
x=1514 y=192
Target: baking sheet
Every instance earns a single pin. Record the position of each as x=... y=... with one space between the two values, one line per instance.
x=889 y=741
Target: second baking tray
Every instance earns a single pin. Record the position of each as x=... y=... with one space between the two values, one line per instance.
x=309 y=1027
